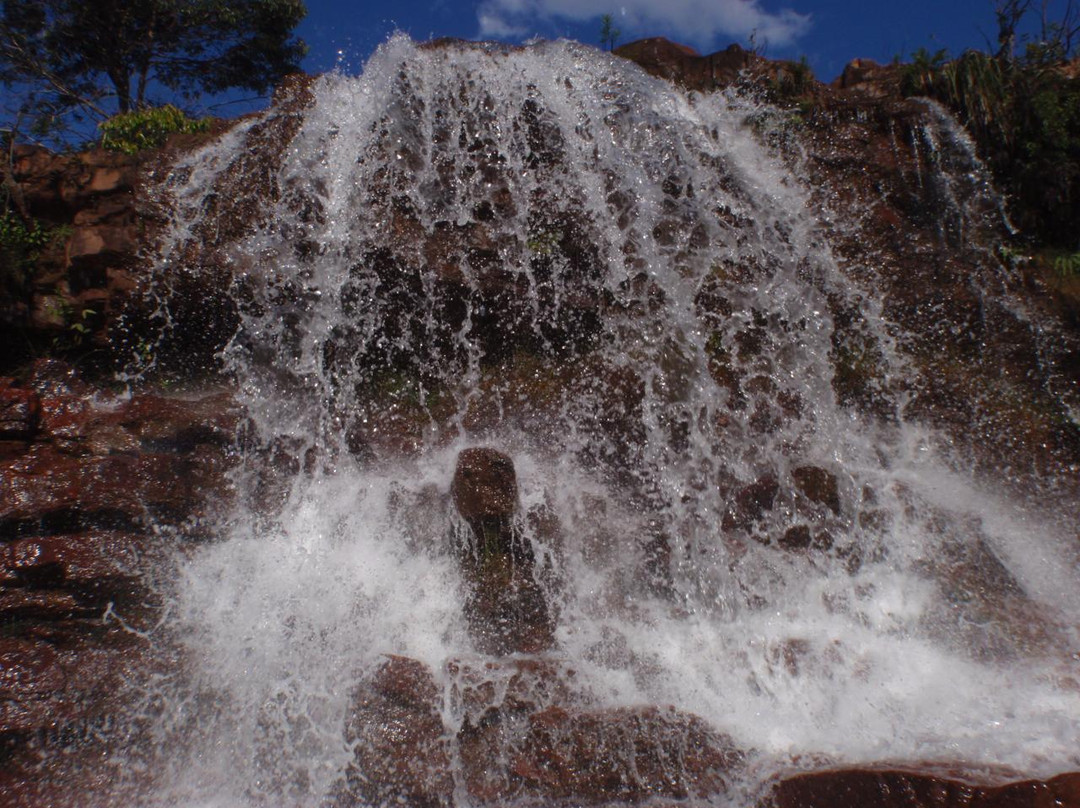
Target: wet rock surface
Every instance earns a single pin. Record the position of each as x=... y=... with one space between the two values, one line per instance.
x=913 y=789
x=506 y=605
x=90 y=489
x=525 y=736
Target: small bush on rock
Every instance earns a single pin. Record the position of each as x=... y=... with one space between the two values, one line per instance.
x=131 y=132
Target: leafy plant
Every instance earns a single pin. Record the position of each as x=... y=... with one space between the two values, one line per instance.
x=1068 y=265
x=77 y=325
x=21 y=244
x=131 y=132
x=1025 y=119
x=918 y=76
x=793 y=79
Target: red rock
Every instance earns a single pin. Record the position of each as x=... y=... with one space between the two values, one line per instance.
x=46 y=686
x=751 y=503
x=818 y=485
x=610 y=756
x=886 y=788
x=20 y=410
x=116 y=491
x=397 y=734
x=665 y=59
x=95 y=561
x=796 y=537
x=485 y=485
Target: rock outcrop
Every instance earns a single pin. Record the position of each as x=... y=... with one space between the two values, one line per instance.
x=91 y=484
x=506 y=605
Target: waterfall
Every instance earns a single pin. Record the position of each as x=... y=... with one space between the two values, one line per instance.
x=627 y=290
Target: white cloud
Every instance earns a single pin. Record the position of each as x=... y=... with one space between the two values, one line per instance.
x=495 y=23
x=700 y=22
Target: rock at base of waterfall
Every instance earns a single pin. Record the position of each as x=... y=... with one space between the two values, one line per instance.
x=527 y=736
x=889 y=788
x=396 y=732
x=751 y=503
x=19 y=412
x=505 y=606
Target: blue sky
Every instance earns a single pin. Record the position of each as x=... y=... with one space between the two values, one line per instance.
x=828 y=32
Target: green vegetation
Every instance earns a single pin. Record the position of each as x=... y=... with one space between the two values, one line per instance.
x=66 y=61
x=609 y=34
x=1067 y=265
x=1025 y=117
x=131 y=132
x=21 y=244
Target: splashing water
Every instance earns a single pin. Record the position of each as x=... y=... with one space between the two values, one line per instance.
x=546 y=251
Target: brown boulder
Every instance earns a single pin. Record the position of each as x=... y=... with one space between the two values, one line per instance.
x=627 y=755
x=47 y=491
x=751 y=503
x=505 y=605
x=92 y=562
x=665 y=59
x=397 y=734
x=19 y=412
x=485 y=486
x=887 y=788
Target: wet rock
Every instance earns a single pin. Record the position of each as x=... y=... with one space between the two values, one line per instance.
x=485 y=490
x=48 y=491
x=507 y=609
x=528 y=736
x=623 y=756
x=98 y=563
x=751 y=503
x=51 y=686
x=885 y=788
x=19 y=412
x=818 y=485
x=400 y=752
x=506 y=606
x=796 y=537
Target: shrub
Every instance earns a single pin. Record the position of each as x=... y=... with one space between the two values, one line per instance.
x=21 y=243
x=1025 y=119
x=131 y=132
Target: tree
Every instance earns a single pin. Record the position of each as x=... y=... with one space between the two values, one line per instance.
x=609 y=34
x=1009 y=13
x=63 y=56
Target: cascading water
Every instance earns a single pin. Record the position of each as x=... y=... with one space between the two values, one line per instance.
x=614 y=282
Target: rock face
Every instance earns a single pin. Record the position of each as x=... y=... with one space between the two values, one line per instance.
x=92 y=481
x=88 y=484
